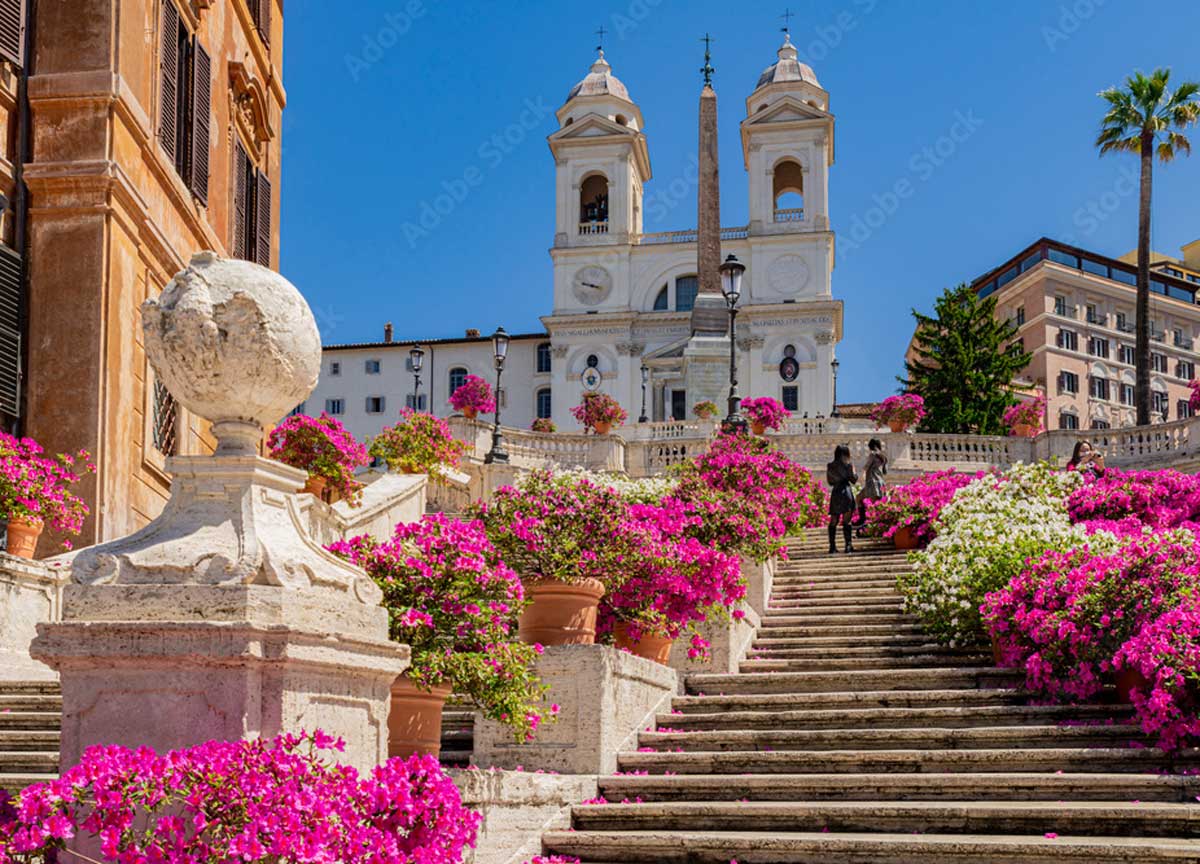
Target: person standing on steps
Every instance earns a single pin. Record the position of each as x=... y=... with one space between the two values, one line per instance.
x=873 y=484
x=840 y=476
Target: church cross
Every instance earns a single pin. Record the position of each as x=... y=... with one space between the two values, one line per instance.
x=787 y=17
x=600 y=33
x=707 y=70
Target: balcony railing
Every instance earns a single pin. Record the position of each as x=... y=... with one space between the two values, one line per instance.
x=593 y=227
x=1125 y=327
x=1185 y=343
x=689 y=236
x=791 y=214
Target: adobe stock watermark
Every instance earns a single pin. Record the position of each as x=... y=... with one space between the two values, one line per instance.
x=1088 y=218
x=667 y=196
x=395 y=26
x=1070 y=18
x=492 y=151
x=830 y=35
x=635 y=14
x=922 y=165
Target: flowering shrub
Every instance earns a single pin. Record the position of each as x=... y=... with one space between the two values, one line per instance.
x=323 y=447
x=1160 y=499
x=473 y=393
x=543 y=424
x=1167 y=654
x=633 y=490
x=906 y=408
x=705 y=410
x=1027 y=412
x=556 y=527
x=598 y=408
x=1194 y=399
x=916 y=505
x=765 y=410
x=33 y=485
x=419 y=444
x=983 y=538
x=248 y=801
x=451 y=598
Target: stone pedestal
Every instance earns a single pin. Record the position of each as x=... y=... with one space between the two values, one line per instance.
x=706 y=370
x=728 y=643
x=30 y=594
x=606 y=696
x=760 y=578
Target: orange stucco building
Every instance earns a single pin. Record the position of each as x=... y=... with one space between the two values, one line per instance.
x=139 y=131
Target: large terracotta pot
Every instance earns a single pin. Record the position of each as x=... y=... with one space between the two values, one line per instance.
x=650 y=646
x=1025 y=430
x=1127 y=680
x=758 y=428
x=470 y=413
x=315 y=486
x=603 y=427
x=23 y=537
x=415 y=719
x=897 y=425
x=905 y=539
x=559 y=613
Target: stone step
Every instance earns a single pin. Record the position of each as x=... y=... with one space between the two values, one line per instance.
x=1094 y=818
x=716 y=847
x=30 y=688
x=894 y=603
x=797 y=631
x=863 y=679
x=926 y=737
x=892 y=718
x=14 y=783
x=860 y=587
x=29 y=702
x=849 y=652
x=43 y=720
x=927 y=660
x=28 y=761
x=1035 y=760
x=23 y=740
x=904 y=787
x=847 y=567
x=857 y=594
x=843 y=700
x=845 y=616
x=849 y=640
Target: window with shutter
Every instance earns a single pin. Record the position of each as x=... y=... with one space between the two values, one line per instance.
x=168 y=64
x=262 y=19
x=12 y=31
x=201 y=109
x=262 y=233
x=11 y=269
x=241 y=202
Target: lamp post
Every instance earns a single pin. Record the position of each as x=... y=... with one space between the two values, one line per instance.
x=834 y=365
x=731 y=287
x=416 y=356
x=500 y=351
x=645 y=378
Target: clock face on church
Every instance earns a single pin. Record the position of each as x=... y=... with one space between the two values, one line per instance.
x=591 y=285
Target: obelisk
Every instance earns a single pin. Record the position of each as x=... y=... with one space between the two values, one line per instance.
x=706 y=357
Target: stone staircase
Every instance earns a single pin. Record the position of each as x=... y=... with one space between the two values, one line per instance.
x=30 y=716
x=849 y=736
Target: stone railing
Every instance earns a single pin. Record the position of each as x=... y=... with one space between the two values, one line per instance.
x=528 y=450
x=688 y=236
x=593 y=227
x=790 y=214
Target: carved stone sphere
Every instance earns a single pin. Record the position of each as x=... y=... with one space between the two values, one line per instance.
x=235 y=343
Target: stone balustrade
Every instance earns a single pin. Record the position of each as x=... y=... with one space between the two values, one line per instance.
x=31 y=593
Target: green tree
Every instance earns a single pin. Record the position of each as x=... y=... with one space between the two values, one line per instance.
x=1142 y=117
x=964 y=362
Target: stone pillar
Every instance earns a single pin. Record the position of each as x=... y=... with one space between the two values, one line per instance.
x=223 y=618
x=30 y=594
x=708 y=315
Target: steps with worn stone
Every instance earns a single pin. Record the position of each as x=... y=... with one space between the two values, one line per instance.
x=889 y=718
x=866 y=679
x=840 y=700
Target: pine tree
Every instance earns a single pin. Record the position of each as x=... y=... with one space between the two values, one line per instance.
x=964 y=365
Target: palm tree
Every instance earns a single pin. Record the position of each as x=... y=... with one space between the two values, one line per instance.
x=1143 y=115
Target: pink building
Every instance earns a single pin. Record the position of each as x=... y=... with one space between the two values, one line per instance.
x=1074 y=311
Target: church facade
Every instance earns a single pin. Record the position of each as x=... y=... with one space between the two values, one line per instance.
x=621 y=315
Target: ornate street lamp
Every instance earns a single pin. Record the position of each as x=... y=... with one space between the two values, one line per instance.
x=500 y=351
x=416 y=356
x=645 y=378
x=834 y=365
x=731 y=287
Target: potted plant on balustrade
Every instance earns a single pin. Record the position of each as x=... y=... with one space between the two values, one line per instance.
x=706 y=410
x=419 y=444
x=473 y=397
x=899 y=413
x=558 y=533
x=455 y=603
x=544 y=425
x=324 y=448
x=599 y=412
x=1024 y=419
x=34 y=491
x=764 y=413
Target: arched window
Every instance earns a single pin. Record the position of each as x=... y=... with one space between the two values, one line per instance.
x=661 y=303
x=788 y=191
x=686 y=289
x=593 y=202
x=543 y=357
x=544 y=405
x=458 y=376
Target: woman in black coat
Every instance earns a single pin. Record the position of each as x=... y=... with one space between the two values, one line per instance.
x=840 y=476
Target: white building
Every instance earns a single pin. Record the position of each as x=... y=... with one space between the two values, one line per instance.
x=622 y=298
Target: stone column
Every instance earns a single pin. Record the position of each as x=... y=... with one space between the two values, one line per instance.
x=223 y=618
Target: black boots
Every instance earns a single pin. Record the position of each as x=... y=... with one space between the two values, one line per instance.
x=848 y=536
x=832 y=538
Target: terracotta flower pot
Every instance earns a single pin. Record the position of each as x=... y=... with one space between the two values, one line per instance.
x=415 y=719
x=897 y=425
x=603 y=427
x=651 y=646
x=758 y=428
x=1127 y=680
x=470 y=413
x=23 y=536
x=559 y=613
x=904 y=538
x=1025 y=430
x=315 y=486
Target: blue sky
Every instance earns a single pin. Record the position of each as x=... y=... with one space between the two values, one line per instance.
x=390 y=104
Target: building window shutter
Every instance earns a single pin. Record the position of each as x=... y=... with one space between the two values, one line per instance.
x=241 y=194
x=263 y=224
x=169 y=78
x=11 y=270
x=263 y=20
x=12 y=31
x=201 y=111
